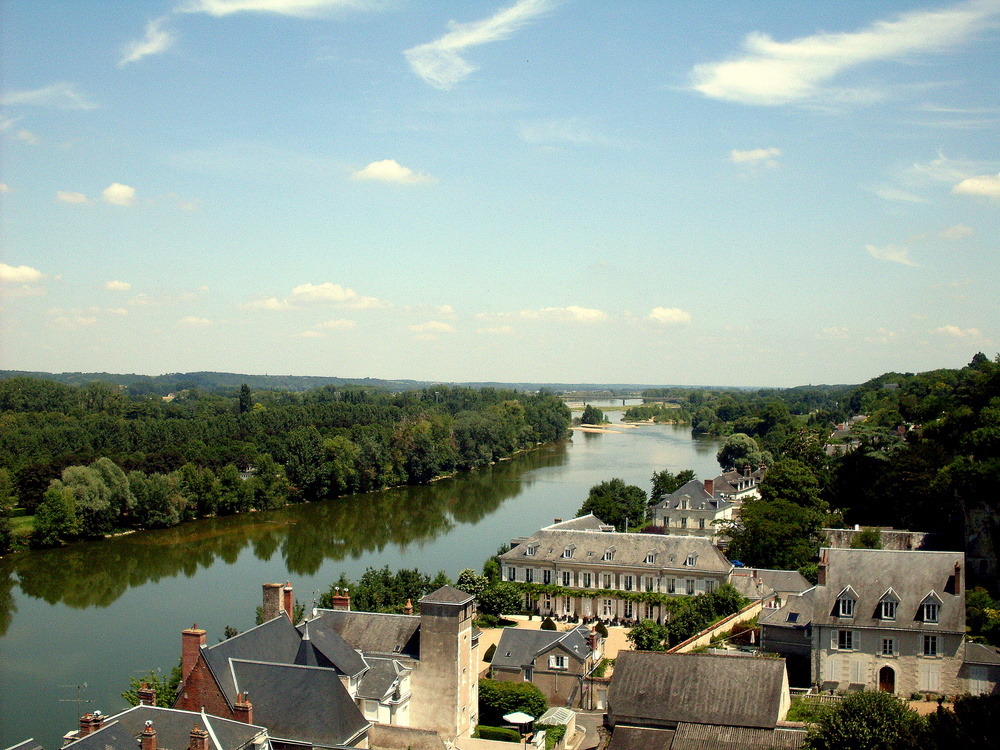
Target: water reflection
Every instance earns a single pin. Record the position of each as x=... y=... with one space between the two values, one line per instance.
x=95 y=574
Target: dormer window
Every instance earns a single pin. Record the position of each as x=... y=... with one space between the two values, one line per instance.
x=650 y=558
x=931 y=610
x=530 y=550
x=609 y=554
x=568 y=551
x=846 y=602
x=887 y=606
x=692 y=560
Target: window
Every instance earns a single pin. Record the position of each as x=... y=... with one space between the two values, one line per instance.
x=607 y=581
x=530 y=550
x=888 y=609
x=529 y=673
x=511 y=574
x=557 y=662
x=888 y=647
x=608 y=608
x=671 y=585
x=845 y=640
x=650 y=609
x=649 y=583
x=650 y=558
x=627 y=610
x=586 y=580
x=627 y=582
x=609 y=555
x=546 y=577
x=684 y=522
x=691 y=561
x=792 y=617
x=845 y=606
x=710 y=586
x=568 y=552
x=690 y=586
x=931 y=611
x=567 y=605
x=567 y=578
x=930 y=645
x=529 y=575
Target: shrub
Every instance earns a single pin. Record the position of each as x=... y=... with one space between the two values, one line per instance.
x=498 y=698
x=500 y=734
x=488 y=656
x=547 y=624
x=601 y=629
x=553 y=733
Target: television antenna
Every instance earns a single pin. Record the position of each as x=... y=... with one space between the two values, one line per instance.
x=79 y=699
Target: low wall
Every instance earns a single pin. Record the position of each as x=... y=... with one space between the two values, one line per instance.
x=704 y=638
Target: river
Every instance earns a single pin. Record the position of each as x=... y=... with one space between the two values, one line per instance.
x=76 y=623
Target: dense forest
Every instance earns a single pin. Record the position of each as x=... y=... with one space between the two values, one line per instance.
x=92 y=459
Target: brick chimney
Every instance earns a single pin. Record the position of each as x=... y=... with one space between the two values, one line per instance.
x=958 y=579
x=146 y=695
x=272 y=601
x=710 y=487
x=147 y=740
x=89 y=723
x=192 y=640
x=821 y=571
x=199 y=737
x=341 y=601
x=288 y=601
x=243 y=709
x=408 y=609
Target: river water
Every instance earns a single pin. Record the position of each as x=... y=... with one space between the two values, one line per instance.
x=76 y=623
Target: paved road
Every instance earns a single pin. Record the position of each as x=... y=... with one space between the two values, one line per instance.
x=592 y=722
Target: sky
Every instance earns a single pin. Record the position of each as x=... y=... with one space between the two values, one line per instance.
x=723 y=193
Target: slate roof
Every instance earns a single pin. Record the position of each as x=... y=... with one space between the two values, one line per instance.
x=980 y=653
x=589 y=522
x=705 y=737
x=630 y=550
x=173 y=730
x=373 y=633
x=796 y=612
x=640 y=738
x=693 y=493
x=328 y=642
x=381 y=678
x=911 y=575
x=300 y=703
x=447 y=595
x=664 y=689
x=759 y=583
x=524 y=646
x=28 y=744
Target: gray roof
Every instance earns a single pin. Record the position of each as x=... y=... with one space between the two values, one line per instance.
x=662 y=689
x=694 y=496
x=626 y=737
x=759 y=583
x=981 y=653
x=447 y=595
x=327 y=641
x=29 y=744
x=524 y=646
x=374 y=633
x=796 y=612
x=705 y=737
x=381 y=678
x=589 y=522
x=173 y=730
x=630 y=550
x=912 y=576
x=556 y=715
x=301 y=704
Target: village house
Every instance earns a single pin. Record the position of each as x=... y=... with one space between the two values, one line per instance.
x=557 y=662
x=697 y=508
x=343 y=678
x=605 y=571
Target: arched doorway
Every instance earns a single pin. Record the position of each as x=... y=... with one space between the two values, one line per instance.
x=887 y=680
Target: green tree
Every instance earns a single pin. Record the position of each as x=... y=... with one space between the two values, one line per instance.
x=868 y=720
x=165 y=687
x=7 y=501
x=666 y=483
x=970 y=725
x=740 y=452
x=246 y=399
x=55 y=518
x=868 y=538
x=498 y=698
x=616 y=503
x=548 y=624
x=648 y=635
x=500 y=599
x=592 y=415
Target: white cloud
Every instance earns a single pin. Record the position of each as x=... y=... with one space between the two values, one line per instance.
x=563 y=131
x=956 y=232
x=496 y=330
x=958 y=333
x=433 y=326
x=440 y=62
x=897 y=195
x=336 y=325
x=986 y=185
x=72 y=322
x=774 y=73
x=196 y=322
x=445 y=309
x=271 y=303
x=19 y=274
x=670 y=315
x=297 y=8
x=571 y=314
x=118 y=194
x=334 y=294
x=61 y=95
x=891 y=253
x=833 y=332
x=27 y=136
x=882 y=336
x=389 y=170
x=4 y=187
x=156 y=41
x=765 y=156
x=117 y=286
x=309 y=335
x=67 y=196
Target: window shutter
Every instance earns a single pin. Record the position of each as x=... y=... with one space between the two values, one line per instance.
x=552 y=662
x=833 y=639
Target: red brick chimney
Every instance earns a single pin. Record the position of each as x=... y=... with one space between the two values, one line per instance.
x=147 y=740
x=341 y=601
x=146 y=695
x=89 y=723
x=199 y=738
x=192 y=640
x=958 y=579
x=272 y=601
x=408 y=609
x=288 y=601
x=821 y=571
x=710 y=487
x=243 y=709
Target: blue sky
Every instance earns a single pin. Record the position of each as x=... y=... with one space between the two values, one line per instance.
x=716 y=193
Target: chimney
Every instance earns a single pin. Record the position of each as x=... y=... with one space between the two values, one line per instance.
x=243 y=709
x=288 y=601
x=147 y=740
x=408 y=609
x=821 y=571
x=89 y=723
x=341 y=602
x=272 y=601
x=958 y=579
x=592 y=640
x=146 y=695
x=556 y=520
x=710 y=487
x=192 y=640
x=199 y=737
